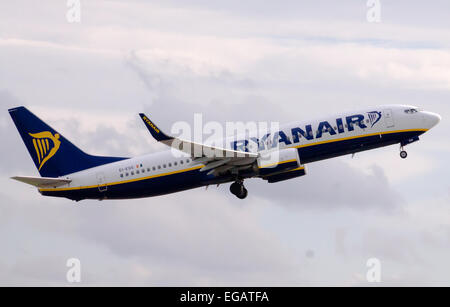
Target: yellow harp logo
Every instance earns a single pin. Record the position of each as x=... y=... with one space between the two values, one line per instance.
x=44 y=149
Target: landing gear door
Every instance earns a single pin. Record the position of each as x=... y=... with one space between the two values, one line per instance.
x=388 y=118
x=101 y=181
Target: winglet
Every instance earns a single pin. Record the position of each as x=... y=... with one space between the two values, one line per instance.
x=154 y=131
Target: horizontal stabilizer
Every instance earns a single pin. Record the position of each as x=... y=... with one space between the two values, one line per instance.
x=42 y=182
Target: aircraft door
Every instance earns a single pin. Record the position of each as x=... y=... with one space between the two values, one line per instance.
x=101 y=181
x=388 y=118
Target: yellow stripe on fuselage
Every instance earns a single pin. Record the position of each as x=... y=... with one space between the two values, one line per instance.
x=358 y=136
x=198 y=167
x=124 y=181
x=297 y=169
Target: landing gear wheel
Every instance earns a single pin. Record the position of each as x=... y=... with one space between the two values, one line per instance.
x=238 y=189
x=403 y=154
x=243 y=193
x=235 y=188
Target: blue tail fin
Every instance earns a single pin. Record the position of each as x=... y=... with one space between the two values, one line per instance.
x=52 y=153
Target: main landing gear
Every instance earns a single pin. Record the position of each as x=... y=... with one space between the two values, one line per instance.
x=403 y=154
x=237 y=188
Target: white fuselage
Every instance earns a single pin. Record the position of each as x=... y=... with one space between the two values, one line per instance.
x=377 y=122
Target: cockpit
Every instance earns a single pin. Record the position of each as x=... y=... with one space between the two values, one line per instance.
x=412 y=111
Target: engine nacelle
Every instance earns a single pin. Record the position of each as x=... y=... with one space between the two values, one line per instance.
x=280 y=165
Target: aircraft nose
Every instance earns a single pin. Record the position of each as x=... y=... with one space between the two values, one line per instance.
x=432 y=119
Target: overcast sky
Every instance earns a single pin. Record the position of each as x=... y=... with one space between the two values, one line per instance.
x=229 y=60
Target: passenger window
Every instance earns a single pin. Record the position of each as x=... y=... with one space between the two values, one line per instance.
x=148 y=169
x=164 y=165
x=132 y=173
x=170 y=164
x=121 y=175
x=181 y=162
x=126 y=174
x=159 y=166
x=137 y=172
x=153 y=168
x=175 y=163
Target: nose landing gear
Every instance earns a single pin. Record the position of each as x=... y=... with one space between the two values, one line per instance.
x=237 y=188
x=403 y=154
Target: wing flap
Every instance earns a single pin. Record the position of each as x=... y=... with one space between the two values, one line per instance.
x=214 y=164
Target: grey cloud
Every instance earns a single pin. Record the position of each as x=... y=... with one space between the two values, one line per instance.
x=192 y=235
x=169 y=108
x=104 y=140
x=200 y=240
x=321 y=190
x=391 y=246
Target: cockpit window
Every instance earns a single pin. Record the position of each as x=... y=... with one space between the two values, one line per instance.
x=411 y=111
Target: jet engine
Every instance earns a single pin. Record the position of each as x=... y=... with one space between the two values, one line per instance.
x=280 y=165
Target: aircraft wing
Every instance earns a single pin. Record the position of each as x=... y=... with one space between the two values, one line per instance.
x=215 y=159
x=42 y=182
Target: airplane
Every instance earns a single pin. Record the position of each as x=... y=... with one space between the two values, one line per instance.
x=66 y=171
